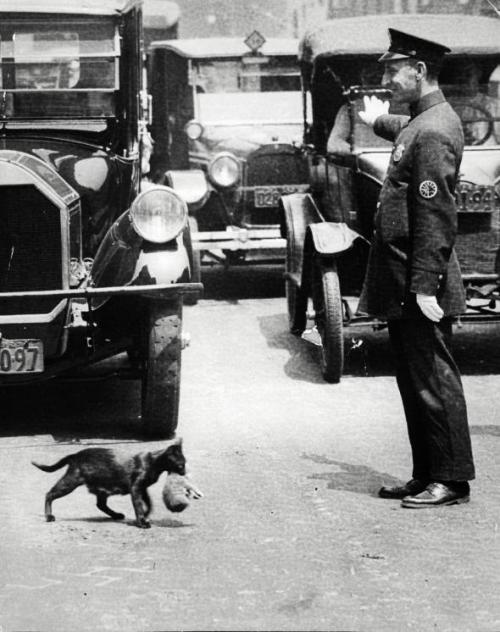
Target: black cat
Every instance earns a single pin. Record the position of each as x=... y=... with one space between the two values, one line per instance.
x=105 y=473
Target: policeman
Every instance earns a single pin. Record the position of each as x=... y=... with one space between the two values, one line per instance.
x=413 y=278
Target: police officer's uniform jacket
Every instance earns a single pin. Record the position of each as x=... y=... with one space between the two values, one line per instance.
x=416 y=220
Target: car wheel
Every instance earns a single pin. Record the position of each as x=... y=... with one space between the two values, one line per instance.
x=161 y=370
x=327 y=303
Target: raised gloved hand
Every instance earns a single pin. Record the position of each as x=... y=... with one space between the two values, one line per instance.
x=374 y=107
x=430 y=307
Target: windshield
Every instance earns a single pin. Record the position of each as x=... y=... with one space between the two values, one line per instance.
x=471 y=86
x=248 y=90
x=58 y=68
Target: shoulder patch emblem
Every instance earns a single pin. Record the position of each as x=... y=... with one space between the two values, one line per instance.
x=428 y=189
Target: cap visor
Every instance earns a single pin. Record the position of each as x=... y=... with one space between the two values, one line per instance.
x=389 y=56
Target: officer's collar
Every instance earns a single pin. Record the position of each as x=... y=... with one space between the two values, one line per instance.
x=426 y=102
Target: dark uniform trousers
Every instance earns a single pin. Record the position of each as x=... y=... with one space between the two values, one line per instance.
x=433 y=399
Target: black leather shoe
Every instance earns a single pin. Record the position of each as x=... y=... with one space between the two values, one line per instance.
x=438 y=494
x=411 y=488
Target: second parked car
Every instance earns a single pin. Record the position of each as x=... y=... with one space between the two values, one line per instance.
x=228 y=128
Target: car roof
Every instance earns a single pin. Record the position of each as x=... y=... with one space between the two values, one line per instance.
x=82 y=7
x=221 y=47
x=368 y=35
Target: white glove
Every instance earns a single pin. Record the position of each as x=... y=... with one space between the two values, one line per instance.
x=430 y=307
x=374 y=107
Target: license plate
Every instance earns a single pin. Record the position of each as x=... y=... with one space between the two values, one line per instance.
x=21 y=356
x=269 y=196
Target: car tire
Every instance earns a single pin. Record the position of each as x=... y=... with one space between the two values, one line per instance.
x=327 y=303
x=161 y=369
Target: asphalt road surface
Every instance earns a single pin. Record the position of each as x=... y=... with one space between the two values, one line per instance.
x=290 y=534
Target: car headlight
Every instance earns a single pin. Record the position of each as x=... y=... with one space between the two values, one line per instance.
x=193 y=129
x=158 y=214
x=224 y=170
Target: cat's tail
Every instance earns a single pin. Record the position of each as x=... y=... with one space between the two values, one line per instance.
x=52 y=468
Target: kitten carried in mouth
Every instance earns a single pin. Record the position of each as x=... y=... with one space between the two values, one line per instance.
x=106 y=473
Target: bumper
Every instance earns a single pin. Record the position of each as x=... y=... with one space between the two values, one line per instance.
x=158 y=291
x=85 y=352
x=236 y=238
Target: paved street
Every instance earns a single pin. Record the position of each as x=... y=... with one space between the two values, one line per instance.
x=290 y=534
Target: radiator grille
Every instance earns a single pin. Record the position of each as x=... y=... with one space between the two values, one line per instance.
x=274 y=165
x=30 y=248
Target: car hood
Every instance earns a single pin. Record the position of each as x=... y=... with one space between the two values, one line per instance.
x=479 y=165
x=242 y=140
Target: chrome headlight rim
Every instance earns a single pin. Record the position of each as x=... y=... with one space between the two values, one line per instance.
x=193 y=129
x=228 y=156
x=172 y=229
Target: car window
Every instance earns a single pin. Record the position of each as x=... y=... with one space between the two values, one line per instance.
x=248 y=90
x=473 y=90
x=46 y=65
x=247 y=75
x=471 y=87
x=240 y=108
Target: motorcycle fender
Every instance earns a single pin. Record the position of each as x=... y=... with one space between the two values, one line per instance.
x=331 y=238
x=191 y=185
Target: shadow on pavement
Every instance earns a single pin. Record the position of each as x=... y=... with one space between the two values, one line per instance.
x=74 y=411
x=238 y=283
x=367 y=353
x=359 y=479
x=169 y=523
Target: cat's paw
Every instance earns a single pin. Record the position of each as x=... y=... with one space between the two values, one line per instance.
x=144 y=524
x=192 y=491
x=118 y=516
x=50 y=518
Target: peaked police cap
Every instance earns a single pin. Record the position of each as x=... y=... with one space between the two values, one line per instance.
x=404 y=45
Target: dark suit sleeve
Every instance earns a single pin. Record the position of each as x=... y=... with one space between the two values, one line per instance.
x=433 y=215
x=388 y=126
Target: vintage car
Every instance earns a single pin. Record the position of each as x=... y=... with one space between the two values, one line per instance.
x=329 y=228
x=228 y=126
x=90 y=264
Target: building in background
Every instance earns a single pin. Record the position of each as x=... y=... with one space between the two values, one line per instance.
x=285 y=18
x=229 y=18
x=160 y=19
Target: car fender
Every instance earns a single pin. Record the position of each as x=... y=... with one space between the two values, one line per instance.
x=331 y=238
x=124 y=258
x=191 y=185
x=297 y=212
